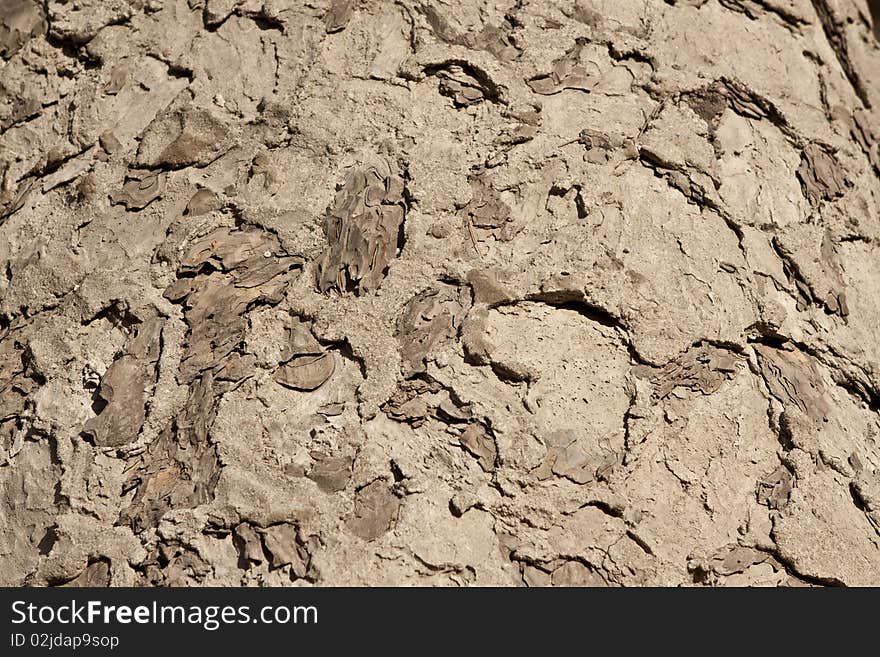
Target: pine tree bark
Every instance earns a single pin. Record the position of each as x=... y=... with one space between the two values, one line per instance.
x=510 y=292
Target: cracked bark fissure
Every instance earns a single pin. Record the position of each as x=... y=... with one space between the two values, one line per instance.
x=833 y=27
x=791 y=20
x=476 y=293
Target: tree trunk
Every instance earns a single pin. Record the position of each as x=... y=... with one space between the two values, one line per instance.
x=476 y=292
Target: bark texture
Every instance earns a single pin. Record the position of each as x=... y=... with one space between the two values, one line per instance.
x=510 y=292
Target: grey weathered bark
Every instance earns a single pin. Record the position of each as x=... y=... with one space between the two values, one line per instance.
x=475 y=292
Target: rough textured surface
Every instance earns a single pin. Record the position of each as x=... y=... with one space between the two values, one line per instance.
x=511 y=292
